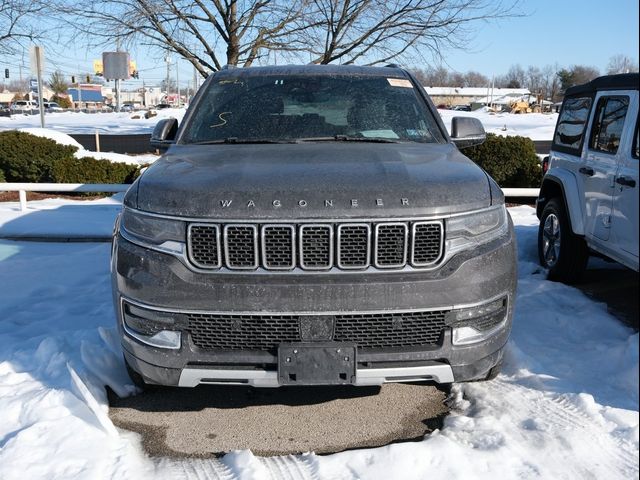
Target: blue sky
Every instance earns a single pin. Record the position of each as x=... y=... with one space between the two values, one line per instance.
x=566 y=32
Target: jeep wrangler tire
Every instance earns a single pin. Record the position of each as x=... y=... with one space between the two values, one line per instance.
x=562 y=252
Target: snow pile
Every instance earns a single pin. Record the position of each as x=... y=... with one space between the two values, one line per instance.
x=566 y=405
x=103 y=123
x=536 y=126
x=64 y=139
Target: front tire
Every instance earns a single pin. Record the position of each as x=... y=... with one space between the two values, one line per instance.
x=562 y=252
x=136 y=378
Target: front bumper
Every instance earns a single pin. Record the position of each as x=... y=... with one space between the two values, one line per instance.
x=160 y=282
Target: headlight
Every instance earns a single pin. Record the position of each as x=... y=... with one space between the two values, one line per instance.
x=468 y=231
x=162 y=234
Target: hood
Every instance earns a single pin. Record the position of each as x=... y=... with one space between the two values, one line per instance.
x=312 y=180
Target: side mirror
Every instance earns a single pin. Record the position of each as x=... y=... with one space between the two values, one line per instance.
x=164 y=134
x=467 y=132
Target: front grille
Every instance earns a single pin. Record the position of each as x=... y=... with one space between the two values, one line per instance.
x=278 y=250
x=241 y=246
x=391 y=245
x=426 y=246
x=315 y=246
x=266 y=332
x=353 y=246
x=359 y=245
x=204 y=245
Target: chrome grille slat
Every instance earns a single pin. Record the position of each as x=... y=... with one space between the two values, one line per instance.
x=309 y=246
x=316 y=246
x=204 y=245
x=278 y=247
x=354 y=246
x=390 y=245
x=241 y=246
x=426 y=243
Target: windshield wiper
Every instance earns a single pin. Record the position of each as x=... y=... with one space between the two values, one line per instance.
x=347 y=138
x=232 y=140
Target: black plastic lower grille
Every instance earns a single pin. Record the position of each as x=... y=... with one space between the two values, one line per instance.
x=266 y=332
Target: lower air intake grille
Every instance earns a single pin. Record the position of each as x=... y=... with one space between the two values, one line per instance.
x=266 y=332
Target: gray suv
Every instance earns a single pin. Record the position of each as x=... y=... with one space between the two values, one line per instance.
x=313 y=225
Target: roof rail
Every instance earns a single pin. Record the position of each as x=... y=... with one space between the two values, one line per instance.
x=392 y=65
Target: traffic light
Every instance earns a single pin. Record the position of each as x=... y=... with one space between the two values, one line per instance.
x=88 y=79
x=6 y=73
x=73 y=79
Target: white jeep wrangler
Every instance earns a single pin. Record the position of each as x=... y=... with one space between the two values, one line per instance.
x=588 y=200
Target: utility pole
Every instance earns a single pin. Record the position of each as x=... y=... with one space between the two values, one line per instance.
x=79 y=92
x=38 y=55
x=168 y=60
x=178 y=80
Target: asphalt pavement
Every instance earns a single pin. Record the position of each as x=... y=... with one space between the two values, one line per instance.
x=210 y=420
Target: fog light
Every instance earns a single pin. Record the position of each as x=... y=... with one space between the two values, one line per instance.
x=158 y=329
x=476 y=324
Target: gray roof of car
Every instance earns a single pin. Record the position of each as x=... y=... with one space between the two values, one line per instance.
x=313 y=69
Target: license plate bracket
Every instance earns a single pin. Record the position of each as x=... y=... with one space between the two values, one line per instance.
x=316 y=364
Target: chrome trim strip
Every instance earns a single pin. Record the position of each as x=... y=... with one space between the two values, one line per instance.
x=191 y=377
x=301 y=249
x=324 y=312
x=375 y=245
x=315 y=220
x=339 y=243
x=189 y=246
x=413 y=242
x=255 y=246
x=263 y=247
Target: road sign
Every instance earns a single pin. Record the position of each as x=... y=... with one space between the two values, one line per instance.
x=33 y=84
x=36 y=51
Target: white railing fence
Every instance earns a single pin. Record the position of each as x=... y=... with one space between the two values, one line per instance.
x=23 y=188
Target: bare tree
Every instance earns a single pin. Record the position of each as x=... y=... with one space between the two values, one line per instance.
x=207 y=33
x=212 y=33
x=17 y=25
x=378 y=31
x=621 y=64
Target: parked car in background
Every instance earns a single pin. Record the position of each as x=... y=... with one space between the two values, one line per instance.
x=313 y=225
x=52 y=107
x=23 y=106
x=462 y=108
x=588 y=201
x=160 y=106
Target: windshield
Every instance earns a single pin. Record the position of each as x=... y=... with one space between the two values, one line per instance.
x=311 y=108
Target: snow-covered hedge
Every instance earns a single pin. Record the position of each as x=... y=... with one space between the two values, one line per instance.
x=29 y=158
x=511 y=161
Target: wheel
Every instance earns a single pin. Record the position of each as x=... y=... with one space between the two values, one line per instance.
x=136 y=378
x=562 y=252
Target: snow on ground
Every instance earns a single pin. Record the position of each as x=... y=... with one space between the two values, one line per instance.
x=103 y=123
x=536 y=126
x=565 y=406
